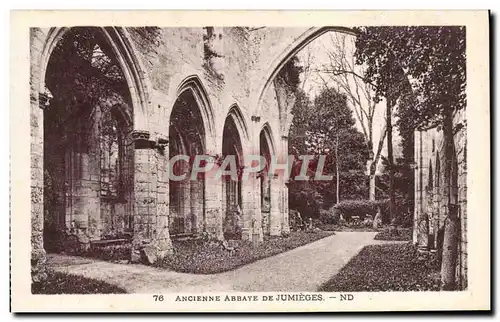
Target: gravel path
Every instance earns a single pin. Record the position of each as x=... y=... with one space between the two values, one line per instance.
x=302 y=269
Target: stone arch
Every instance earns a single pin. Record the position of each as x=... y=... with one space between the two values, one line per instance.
x=289 y=51
x=196 y=88
x=268 y=193
x=268 y=135
x=235 y=203
x=90 y=188
x=239 y=120
x=131 y=66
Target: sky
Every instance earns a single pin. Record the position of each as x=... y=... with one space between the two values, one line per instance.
x=318 y=55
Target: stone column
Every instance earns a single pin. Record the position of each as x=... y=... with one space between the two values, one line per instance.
x=151 y=197
x=284 y=189
x=275 y=215
x=38 y=255
x=213 y=206
x=248 y=208
x=257 y=232
x=196 y=206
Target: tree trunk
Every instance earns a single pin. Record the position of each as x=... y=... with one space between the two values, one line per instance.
x=373 y=165
x=337 y=174
x=372 y=185
x=452 y=224
x=390 y=158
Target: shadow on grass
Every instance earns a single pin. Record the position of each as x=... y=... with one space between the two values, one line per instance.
x=389 y=267
x=62 y=283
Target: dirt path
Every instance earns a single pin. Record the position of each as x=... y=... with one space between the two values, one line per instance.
x=301 y=269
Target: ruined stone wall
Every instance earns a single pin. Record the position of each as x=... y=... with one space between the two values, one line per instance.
x=430 y=201
x=226 y=67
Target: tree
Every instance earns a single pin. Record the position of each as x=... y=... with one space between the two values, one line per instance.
x=326 y=127
x=342 y=70
x=423 y=67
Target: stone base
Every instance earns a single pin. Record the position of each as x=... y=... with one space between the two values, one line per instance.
x=151 y=251
x=38 y=265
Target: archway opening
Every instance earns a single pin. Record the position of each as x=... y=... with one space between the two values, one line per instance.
x=232 y=202
x=187 y=137
x=88 y=159
x=265 y=182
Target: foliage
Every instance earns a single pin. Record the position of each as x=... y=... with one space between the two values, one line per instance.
x=211 y=258
x=319 y=128
x=305 y=198
x=62 y=283
x=403 y=184
x=110 y=252
x=389 y=267
x=399 y=234
x=330 y=216
x=432 y=57
x=290 y=73
x=361 y=208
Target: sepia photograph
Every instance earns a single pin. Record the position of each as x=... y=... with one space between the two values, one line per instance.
x=250 y=164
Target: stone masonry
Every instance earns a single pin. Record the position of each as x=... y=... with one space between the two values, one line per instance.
x=223 y=73
x=430 y=202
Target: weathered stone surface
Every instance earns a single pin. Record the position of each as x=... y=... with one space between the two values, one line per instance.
x=429 y=153
x=235 y=79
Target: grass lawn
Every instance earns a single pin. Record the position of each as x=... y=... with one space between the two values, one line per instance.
x=390 y=267
x=210 y=258
x=60 y=283
x=400 y=234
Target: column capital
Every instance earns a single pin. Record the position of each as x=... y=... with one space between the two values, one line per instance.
x=142 y=140
x=44 y=99
x=255 y=118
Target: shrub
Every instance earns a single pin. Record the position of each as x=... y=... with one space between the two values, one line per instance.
x=330 y=216
x=360 y=208
x=401 y=234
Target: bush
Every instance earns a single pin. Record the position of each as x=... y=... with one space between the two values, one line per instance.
x=401 y=234
x=360 y=208
x=330 y=216
x=110 y=252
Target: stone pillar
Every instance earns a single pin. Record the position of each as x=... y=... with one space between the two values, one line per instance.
x=285 y=225
x=196 y=206
x=248 y=208
x=275 y=215
x=213 y=206
x=186 y=201
x=257 y=232
x=151 y=196
x=161 y=235
x=38 y=255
